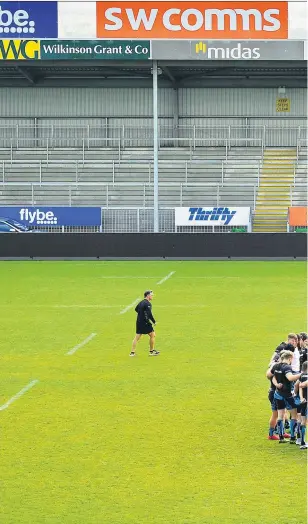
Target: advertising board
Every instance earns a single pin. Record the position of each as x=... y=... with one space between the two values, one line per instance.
x=192 y=20
x=227 y=50
x=212 y=216
x=94 y=49
x=298 y=216
x=155 y=49
x=155 y=20
x=53 y=216
x=29 y=19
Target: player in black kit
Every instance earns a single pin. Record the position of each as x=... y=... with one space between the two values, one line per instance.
x=303 y=397
x=143 y=324
x=283 y=377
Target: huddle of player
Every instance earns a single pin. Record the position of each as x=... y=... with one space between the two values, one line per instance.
x=287 y=373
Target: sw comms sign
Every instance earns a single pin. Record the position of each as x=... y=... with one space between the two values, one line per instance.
x=192 y=20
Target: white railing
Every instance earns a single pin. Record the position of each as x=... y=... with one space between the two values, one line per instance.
x=48 y=145
x=213 y=168
x=125 y=138
x=107 y=135
x=299 y=194
x=212 y=191
x=216 y=168
x=66 y=190
x=301 y=142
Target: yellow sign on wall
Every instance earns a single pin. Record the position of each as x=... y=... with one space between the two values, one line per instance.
x=20 y=50
x=283 y=105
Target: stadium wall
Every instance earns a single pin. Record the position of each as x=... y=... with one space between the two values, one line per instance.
x=154 y=246
x=137 y=102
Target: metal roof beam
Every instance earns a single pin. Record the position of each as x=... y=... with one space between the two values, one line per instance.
x=169 y=75
x=26 y=74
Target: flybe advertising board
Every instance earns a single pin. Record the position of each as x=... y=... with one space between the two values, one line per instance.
x=53 y=216
x=28 y=19
x=154 y=20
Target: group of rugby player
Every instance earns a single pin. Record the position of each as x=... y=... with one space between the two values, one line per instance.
x=287 y=373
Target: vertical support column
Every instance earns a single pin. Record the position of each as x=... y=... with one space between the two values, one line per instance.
x=176 y=116
x=155 y=145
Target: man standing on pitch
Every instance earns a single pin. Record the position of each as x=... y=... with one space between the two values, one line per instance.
x=143 y=325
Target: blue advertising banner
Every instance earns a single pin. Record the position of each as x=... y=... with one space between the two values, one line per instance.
x=29 y=19
x=53 y=216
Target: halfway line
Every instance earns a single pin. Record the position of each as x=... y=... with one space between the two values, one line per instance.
x=83 y=343
x=19 y=394
x=165 y=278
x=127 y=308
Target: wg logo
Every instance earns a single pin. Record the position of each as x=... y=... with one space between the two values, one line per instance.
x=201 y=47
x=20 y=50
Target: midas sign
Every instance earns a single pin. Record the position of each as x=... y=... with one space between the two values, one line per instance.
x=20 y=49
x=192 y=20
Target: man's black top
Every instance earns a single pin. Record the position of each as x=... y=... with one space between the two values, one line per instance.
x=280 y=371
x=144 y=311
x=303 y=356
x=275 y=360
x=303 y=378
x=272 y=387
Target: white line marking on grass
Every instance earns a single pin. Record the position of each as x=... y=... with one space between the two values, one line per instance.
x=19 y=394
x=127 y=308
x=165 y=278
x=83 y=343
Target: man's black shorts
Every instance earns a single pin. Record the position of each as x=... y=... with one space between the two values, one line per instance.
x=144 y=328
x=286 y=403
x=304 y=409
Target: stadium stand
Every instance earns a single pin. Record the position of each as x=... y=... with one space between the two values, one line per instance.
x=206 y=176
x=54 y=163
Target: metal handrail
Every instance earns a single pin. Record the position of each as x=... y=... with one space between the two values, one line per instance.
x=206 y=162
x=177 y=185
x=127 y=133
x=299 y=144
x=223 y=183
x=121 y=128
x=121 y=184
x=142 y=186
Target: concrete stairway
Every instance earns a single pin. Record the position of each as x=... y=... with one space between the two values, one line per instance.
x=273 y=199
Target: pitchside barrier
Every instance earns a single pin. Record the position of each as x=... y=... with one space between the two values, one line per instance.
x=298 y=219
x=158 y=246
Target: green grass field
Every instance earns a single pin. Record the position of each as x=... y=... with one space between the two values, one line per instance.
x=175 y=439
